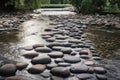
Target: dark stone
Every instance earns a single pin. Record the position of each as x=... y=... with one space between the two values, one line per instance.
x=63 y=64
x=71 y=59
x=66 y=50
x=84 y=52
x=79 y=69
x=41 y=60
x=45 y=74
x=100 y=70
x=96 y=58
x=60 y=71
x=57 y=48
x=43 y=49
x=30 y=55
x=84 y=57
x=56 y=54
x=38 y=45
x=58 y=60
x=8 y=70
x=101 y=77
x=21 y=65
x=85 y=76
x=51 y=65
x=37 y=69
x=72 y=78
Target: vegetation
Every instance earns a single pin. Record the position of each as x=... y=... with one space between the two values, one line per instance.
x=55 y=5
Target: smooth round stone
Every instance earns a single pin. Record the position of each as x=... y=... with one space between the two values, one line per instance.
x=8 y=70
x=51 y=65
x=73 y=53
x=84 y=52
x=50 y=40
x=48 y=30
x=37 y=69
x=66 y=50
x=60 y=71
x=89 y=63
x=100 y=70
x=56 y=54
x=85 y=76
x=96 y=58
x=67 y=44
x=75 y=41
x=71 y=59
x=21 y=65
x=38 y=45
x=41 y=60
x=53 y=44
x=57 y=48
x=45 y=74
x=14 y=78
x=58 y=60
x=101 y=77
x=79 y=69
x=27 y=48
x=43 y=49
x=84 y=57
x=30 y=55
x=61 y=37
x=63 y=64
x=72 y=78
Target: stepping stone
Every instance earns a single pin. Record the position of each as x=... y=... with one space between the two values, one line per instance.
x=45 y=74
x=101 y=77
x=30 y=55
x=56 y=54
x=43 y=49
x=85 y=77
x=66 y=50
x=51 y=65
x=58 y=60
x=100 y=70
x=21 y=65
x=60 y=71
x=37 y=69
x=41 y=60
x=38 y=45
x=71 y=59
x=63 y=64
x=8 y=70
x=79 y=69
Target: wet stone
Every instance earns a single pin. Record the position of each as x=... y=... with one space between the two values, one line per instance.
x=79 y=69
x=30 y=55
x=43 y=49
x=101 y=77
x=63 y=64
x=56 y=54
x=21 y=65
x=37 y=69
x=58 y=60
x=66 y=50
x=71 y=59
x=60 y=71
x=85 y=76
x=51 y=65
x=100 y=70
x=41 y=60
x=8 y=70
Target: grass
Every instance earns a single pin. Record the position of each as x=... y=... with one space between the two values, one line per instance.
x=55 y=5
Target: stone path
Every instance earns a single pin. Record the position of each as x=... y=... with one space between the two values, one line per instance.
x=67 y=54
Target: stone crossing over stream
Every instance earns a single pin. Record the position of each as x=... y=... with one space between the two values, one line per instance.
x=64 y=54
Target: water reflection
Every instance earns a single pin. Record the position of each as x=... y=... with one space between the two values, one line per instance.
x=107 y=40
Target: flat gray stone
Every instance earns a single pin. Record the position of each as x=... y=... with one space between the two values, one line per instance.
x=58 y=60
x=63 y=64
x=41 y=60
x=38 y=45
x=66 y=50
x=43 y=49
x=21 y=65
x=56 y=54
x=30 y=55
x=85 y=76
x=51 y=65
x=71 y=59
x=100 y=70
x=101 y=77
x=37 y=69
x=60 y=71
x=45 y=74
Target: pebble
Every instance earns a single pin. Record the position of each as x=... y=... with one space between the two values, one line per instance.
x=43 y=49
x=8 y=70
x=89 y=63
x=56 y=54
x=84 y=52
x=85 y=76
x=45 y=74
x=14 y=78
x=100 y=70
x=101 y=77
x=38 y=45
x=66 y=50
x=51 y=65
x=30 y=55
x=63 y=64
x=21 y=65
x=58 y=60
x=37 y=69
x=41 y=60
x=60 y=71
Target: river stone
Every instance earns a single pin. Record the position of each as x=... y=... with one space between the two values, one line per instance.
x=96 y=58
x=58 y=60
x=75 y=41
x=50 y=40
x=8 y=70
x=67 y=44
x=84 y=52
x=79 y=68
x=30 y=55
x=13 y=78
x=46 y=36
x=57 y=48
x=89 y=63
x=38 y=45
x=48 y=30
x=60 y=71
x=45 y=74
x=84 y=57
x=63 y=64
x=72 y=78
x=27 y=48
x=85 y=76
x=37 y=69
x=41 y=60
x=51 y=65
x=21 y=65
x=66 y=50
x=99 y=70
x=73 y=53
x=56 y=54
x=71 y=59
x=101 y=77
x=43 y=49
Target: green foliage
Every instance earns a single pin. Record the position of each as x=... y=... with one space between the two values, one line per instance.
x=55 y=5
x=45 y=1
